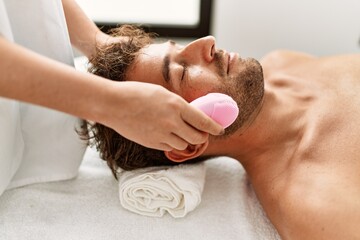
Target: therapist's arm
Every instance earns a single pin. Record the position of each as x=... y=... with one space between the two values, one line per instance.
x=84 y=34
x=30 y=77
x=145 y=113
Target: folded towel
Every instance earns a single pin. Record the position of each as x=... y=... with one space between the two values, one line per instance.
x=156 y=190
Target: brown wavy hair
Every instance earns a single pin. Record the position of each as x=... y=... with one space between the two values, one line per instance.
x=111 y=62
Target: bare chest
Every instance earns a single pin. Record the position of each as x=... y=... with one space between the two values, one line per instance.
x=325 y=164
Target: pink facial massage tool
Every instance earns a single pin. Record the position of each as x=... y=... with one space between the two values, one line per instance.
x=220 y=107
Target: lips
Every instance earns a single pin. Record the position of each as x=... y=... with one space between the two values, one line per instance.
x=227 y=60
x=231 y=60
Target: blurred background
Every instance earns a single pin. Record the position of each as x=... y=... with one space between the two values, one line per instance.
x=249 y=27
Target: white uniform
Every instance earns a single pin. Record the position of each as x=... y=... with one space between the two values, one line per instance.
x=37 y=144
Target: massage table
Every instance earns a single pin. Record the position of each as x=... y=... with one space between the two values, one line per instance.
x=88 y=207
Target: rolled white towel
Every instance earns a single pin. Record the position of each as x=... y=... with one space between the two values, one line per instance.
x=156 y=190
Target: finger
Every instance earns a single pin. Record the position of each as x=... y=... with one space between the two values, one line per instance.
x=176 y=142
x=163 y=147
x=201 y=121
x=191 y=135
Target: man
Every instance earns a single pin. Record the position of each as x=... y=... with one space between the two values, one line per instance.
x=297 y=134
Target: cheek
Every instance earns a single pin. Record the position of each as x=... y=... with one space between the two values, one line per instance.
x=198 y=84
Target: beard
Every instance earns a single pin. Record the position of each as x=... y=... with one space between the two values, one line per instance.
x=247 y=89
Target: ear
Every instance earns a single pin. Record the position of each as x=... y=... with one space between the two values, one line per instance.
x=192 y=151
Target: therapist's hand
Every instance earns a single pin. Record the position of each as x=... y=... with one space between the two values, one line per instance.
x=157 y=118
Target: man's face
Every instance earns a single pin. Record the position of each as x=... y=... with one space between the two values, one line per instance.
x=199 y=68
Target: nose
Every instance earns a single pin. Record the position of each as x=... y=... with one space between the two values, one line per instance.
x=202 y=49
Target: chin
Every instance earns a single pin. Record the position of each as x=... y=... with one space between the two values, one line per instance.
x=247 y=89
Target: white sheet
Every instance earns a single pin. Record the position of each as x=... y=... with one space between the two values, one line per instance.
x=88 y=207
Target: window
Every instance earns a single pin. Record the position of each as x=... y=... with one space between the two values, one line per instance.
x=168 y=18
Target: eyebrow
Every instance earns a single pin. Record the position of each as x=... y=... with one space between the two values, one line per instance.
x=166 y=65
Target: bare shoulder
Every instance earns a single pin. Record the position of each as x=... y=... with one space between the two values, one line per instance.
x=345 y=63
x=323 y=209
x=284 y=58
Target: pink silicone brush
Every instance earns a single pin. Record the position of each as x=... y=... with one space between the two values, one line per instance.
x=220 y=107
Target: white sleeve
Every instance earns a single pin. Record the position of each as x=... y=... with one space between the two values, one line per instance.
x=53 y=149
x=5 y=29
x=11 y=141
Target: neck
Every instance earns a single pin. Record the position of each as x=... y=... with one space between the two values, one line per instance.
x=274 y=129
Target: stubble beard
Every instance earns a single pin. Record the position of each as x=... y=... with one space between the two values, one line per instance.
x=247 y=89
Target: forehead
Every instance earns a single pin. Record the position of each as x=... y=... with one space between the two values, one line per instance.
x=147 y=66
